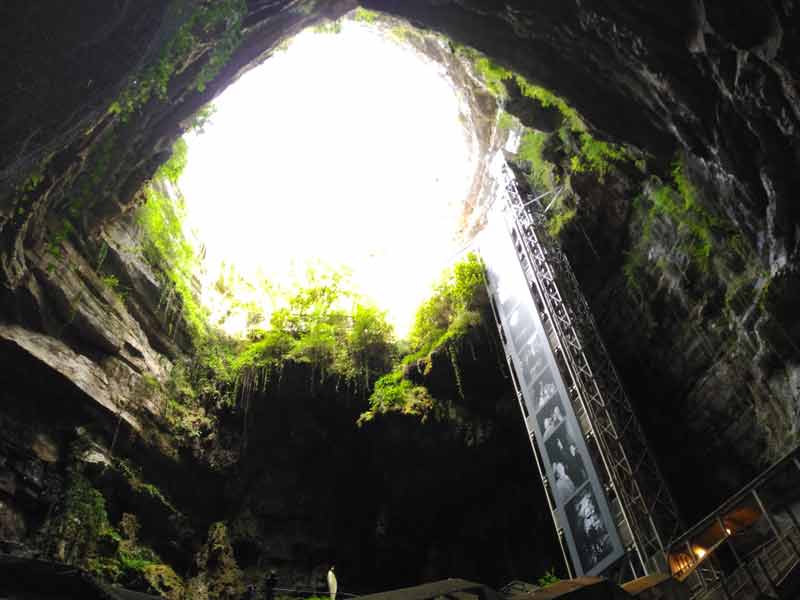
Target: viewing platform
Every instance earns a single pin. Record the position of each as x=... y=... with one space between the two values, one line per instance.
x=749 y=547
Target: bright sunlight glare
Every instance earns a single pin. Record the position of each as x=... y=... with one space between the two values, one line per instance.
x=346 y=148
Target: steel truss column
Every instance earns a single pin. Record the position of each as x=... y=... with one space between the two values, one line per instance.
x=647 y=505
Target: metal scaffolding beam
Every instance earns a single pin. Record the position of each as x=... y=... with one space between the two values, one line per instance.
x=647 y=508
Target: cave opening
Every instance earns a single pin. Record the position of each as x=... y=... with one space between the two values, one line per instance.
x=363 y=162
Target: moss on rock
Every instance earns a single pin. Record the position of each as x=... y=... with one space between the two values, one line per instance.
x=219 y=576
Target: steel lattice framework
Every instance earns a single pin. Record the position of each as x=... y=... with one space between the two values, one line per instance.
x=647 y=507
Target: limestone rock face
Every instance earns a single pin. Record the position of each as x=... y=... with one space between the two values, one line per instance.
x=74 y=362
x=75 y=368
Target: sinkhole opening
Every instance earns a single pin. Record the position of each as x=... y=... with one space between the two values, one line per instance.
x=349 y=151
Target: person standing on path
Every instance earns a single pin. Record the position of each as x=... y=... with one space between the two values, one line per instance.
x=332 y=584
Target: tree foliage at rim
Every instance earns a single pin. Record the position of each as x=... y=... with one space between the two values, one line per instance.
x=457 y=305
x=326 y=326
x=322 y=323
x=552 y=158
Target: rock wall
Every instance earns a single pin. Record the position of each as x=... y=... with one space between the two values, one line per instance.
x=709 y=360
x=394 y=501
x=93 y=99
x=76 y=364
x=391 y=503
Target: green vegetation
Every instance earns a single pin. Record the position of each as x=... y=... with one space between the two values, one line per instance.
x=164 y=581
x=304 y=8
x=123 y=559
x=776 y=296
x=679 y=203
x=172 y=169
x=701 y=237
x=29 y=185
x=588 y=153
x=403 y=32
x=21 y=197
x=492 y=74
x=547 y=99
x=202 y=118
x=505 y=121
x=363 y=15
x=553 y=158
x=455 y=307
x=549 y=578
x=214 y=27
x=165 y=245
x=323 y=324
x=222 y=13
x=86 y=538
x=97 y=168
x=543 y=175
x=559 y=216
x=332 y=27
x=741 y=292
x=111 y=282
x=359 y=15
x=452 y=309
x=598 y=156
x=738 y=248
x=138 y=486
x=221 y=575
x=197 y=388
x=394 y=392
x=690 y=221
x=82 y=520
x=632 y=270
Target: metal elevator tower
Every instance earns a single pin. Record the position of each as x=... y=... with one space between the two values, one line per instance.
x=641 y=505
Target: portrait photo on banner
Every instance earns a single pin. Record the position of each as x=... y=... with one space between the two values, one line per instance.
x=566 y=462
x=531 y=359
x=549 y=406
x=590 y=534
x=522 y=324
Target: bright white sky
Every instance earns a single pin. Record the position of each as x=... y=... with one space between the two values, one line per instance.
x=346 y=148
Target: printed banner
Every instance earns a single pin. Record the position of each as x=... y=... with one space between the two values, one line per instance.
x=581 y=506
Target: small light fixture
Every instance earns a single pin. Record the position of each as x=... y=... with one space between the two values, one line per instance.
x=700 y=552
x=728 y=531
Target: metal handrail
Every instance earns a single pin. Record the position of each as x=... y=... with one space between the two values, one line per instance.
x=739 y=581
x=735 y=499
